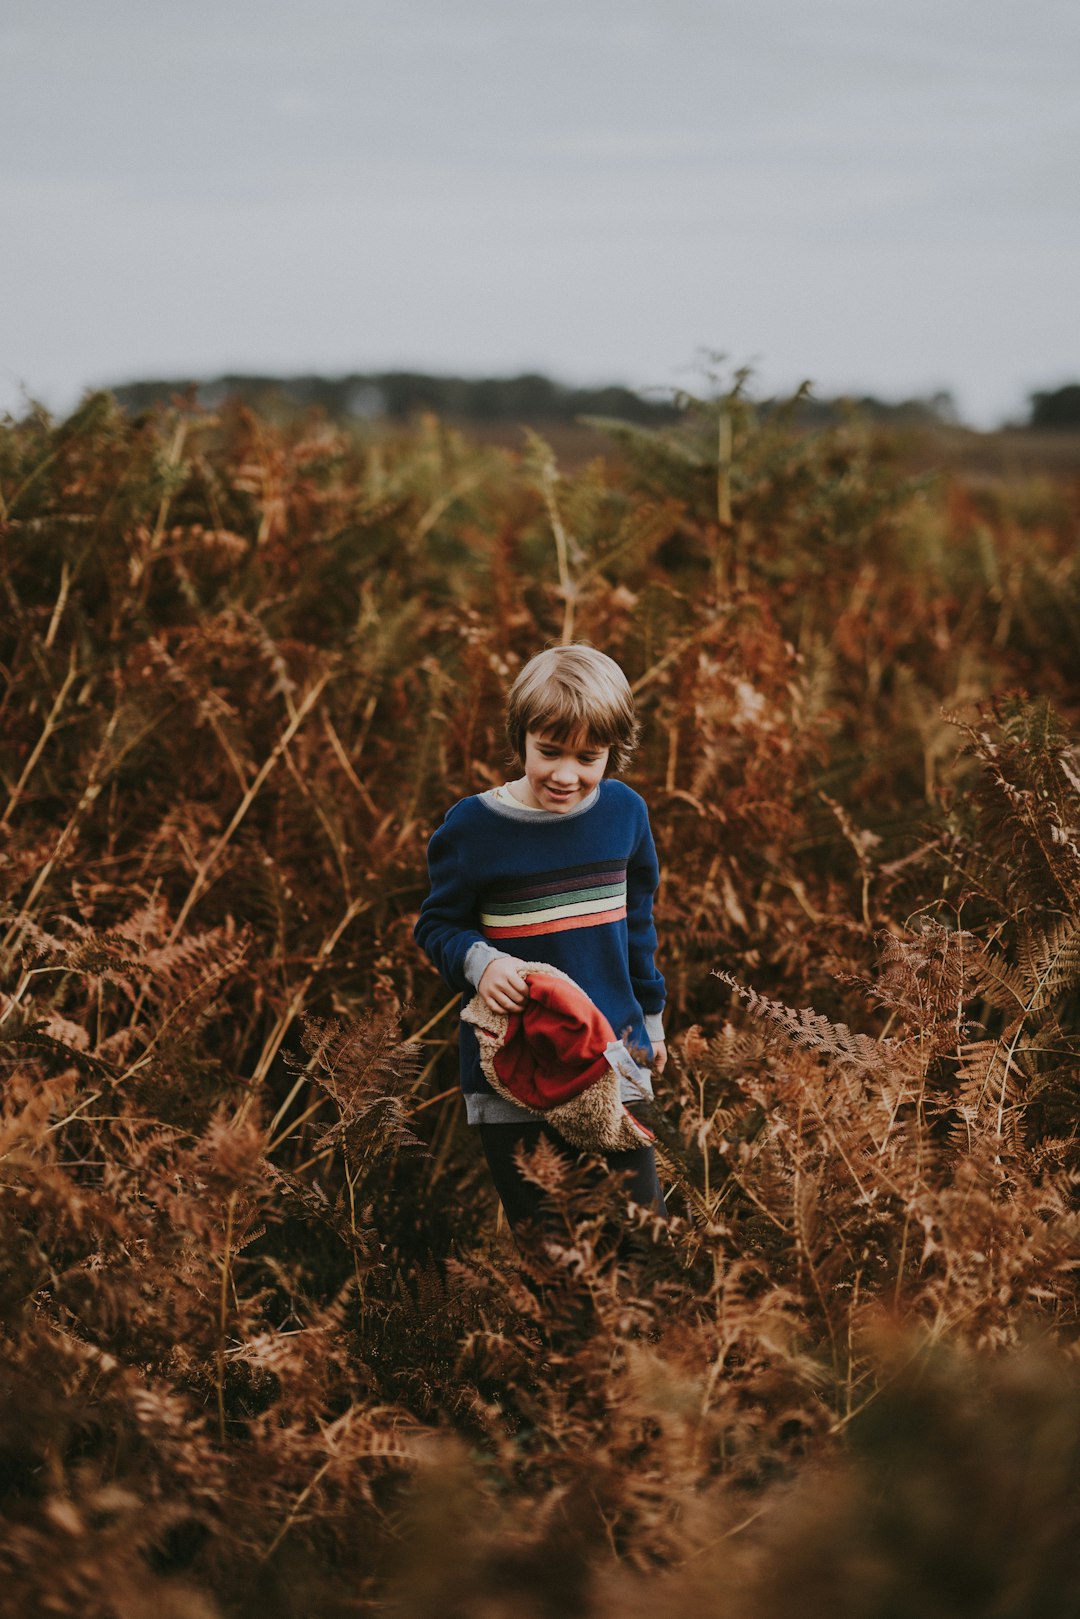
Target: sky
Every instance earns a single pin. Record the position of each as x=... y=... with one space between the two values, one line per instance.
x=878 y=198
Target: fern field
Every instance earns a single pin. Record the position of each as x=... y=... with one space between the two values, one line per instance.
x=265 y=1348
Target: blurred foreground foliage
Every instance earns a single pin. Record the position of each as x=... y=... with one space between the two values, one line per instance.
x=263 y=1348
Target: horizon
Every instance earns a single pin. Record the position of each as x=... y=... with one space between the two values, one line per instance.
x=63 y=403
x=215 y=388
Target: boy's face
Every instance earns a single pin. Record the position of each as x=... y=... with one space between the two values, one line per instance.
x=560 y=775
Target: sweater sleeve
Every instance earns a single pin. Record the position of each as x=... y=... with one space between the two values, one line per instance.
x=446 y=929
x=642 y=881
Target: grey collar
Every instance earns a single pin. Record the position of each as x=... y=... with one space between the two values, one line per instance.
x=490 y=802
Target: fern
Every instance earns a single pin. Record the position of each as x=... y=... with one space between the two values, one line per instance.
x=367 y=1074
x=258 y=1347
x=813 y=1032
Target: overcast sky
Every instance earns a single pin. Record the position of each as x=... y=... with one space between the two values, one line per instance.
x=879 y=195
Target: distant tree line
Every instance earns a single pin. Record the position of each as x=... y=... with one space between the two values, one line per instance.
x=531 y=399
x=1057 y=409
x=401 y=395
x=535 y=400
x=936 y=410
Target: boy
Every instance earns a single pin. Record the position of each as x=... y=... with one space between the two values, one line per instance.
x=557 y=867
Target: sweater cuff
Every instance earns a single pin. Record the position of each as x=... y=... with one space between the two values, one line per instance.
x=654 y=1023
x=478 y=958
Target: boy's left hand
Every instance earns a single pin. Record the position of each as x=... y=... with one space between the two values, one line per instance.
x=659 y=1056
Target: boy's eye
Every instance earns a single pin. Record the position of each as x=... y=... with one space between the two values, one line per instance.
x=582 y=758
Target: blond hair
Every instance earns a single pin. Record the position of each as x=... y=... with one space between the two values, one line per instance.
x=571 y=691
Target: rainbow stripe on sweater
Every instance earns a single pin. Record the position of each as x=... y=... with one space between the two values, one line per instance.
x=555 y=901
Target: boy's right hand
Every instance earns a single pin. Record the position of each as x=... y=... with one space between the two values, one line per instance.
x=502 y=987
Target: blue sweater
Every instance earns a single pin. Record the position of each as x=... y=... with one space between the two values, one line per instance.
x=574 y=889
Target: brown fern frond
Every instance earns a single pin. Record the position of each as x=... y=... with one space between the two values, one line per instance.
x=310 y=1200
x=368 y=1073
x=811 y=1031
x=1026 y=807
x=88 y=953
x=990 y=1085
x=1005 y=986
x=1049 y=960
x=926 y=976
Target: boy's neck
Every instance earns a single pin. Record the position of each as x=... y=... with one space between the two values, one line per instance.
x=521 y=791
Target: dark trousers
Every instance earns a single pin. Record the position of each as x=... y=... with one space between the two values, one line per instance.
x=522 y=1201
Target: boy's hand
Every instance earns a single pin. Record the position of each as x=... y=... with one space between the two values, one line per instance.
x=659 y=1056
x=501 y=986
